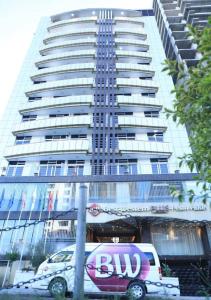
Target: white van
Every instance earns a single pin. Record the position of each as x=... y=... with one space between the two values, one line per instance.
x=138 y=262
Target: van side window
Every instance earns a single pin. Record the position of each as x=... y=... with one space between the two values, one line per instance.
x=63 y=256
x=150 y=257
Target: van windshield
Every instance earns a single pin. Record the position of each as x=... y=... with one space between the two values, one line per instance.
x=63 y=256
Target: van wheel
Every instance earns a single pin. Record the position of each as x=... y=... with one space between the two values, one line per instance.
x=57 y=286
x=136 y=291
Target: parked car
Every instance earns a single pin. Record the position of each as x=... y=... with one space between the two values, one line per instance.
x=139 y=262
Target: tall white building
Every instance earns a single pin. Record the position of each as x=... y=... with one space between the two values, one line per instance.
x=88 y=106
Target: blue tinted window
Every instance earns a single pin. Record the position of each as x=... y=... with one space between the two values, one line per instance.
x=154 y=169
x=150 y=257
x=43 y=171
x=163 y=168
x=19 y=171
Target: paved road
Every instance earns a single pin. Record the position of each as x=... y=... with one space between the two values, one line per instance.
x=32 y=294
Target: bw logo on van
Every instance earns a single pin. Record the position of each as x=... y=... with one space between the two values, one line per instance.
x=127 y=260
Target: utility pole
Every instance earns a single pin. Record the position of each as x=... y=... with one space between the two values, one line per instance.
x=78 y=291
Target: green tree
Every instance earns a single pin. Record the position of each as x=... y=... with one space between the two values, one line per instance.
x=192 y=107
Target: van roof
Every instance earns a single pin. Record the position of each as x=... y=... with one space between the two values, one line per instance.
x=90 y=245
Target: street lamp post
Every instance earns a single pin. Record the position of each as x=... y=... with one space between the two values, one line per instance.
x=78 y=291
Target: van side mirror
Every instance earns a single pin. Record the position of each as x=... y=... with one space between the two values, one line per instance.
x=49 y=260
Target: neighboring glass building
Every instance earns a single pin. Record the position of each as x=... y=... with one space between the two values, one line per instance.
x=88 y=106
x=172 y=18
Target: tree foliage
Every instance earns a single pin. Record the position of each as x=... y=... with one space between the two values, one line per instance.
x=192 y=105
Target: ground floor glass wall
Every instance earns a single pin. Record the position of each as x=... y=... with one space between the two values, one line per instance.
x=172 y=239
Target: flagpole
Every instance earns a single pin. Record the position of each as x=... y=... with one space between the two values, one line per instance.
x=46 y=233
x=11 y=201
x=1 y=201
x=4 y=279
x=19 y=219
x=26 y=232
x=50 y=206
x=55 y=208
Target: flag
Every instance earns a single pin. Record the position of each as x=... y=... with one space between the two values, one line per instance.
x=23 y=200
x=41 y=202
x=2 y=197
x=34 y=196
x=56 y=201
x=50 y=201
x=11 y=201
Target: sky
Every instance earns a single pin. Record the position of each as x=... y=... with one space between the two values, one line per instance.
x=19 y=20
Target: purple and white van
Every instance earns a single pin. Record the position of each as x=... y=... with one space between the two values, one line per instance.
x=138 y=262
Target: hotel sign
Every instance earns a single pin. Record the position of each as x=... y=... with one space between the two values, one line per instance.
x=153 y=209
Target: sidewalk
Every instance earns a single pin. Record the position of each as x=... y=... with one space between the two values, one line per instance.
x=24 y=294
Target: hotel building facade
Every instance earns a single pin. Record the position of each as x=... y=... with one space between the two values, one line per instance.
x=88 y=106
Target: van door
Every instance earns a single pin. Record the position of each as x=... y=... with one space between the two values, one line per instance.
x=59 y=261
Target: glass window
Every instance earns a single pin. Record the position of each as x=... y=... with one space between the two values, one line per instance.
x=63 y=256
x=159 y=165
x=102 y=192
x=151 y=114
x=126 y=166
x=150 y=257
x=15 y=168
x=175 y=240
x=126 y=136
x=43 y=170
x=163 y=168
x=78 y=136
x=155 y=169
x=63 y=223
x=27 y=118
x=22 y=140
x=75 y=167
x=58 y=115
x=51 y=168
x=155 y=136
x=55 y=137
x=209 y=233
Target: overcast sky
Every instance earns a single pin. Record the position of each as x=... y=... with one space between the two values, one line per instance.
x=18 y=22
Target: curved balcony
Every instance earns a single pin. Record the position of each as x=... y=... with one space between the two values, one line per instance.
x=38 y=150
x=129 y=20
x=75 y=14
x=69 y=35
x=130 y=32
x=50 y=124
x=64 y=72
x=62 y=88
x=63 y=23
x=135 y=69
x=139 y=103
x=66 y=58
x=134 y=55
x=51 y=105
x=132 y=44
x=145 y=147
x=137 y=85
x=138 y=124
x=68 y=46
